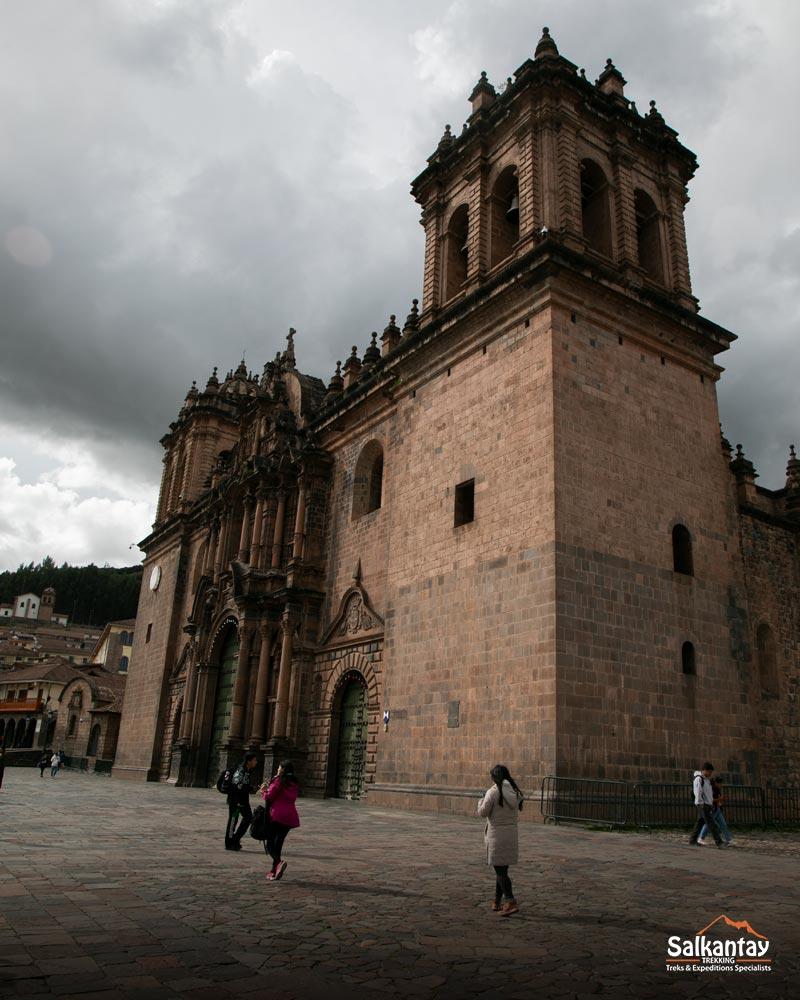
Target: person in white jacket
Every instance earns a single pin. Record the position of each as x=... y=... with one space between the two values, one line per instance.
x=703 y=800
x=501 y=806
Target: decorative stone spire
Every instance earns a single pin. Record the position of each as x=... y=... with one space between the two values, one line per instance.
x=654 y=117
x=213 y=382
x=371 y=355
x=483 y=95
x=241 y=371
x=288 y=354
x=352 y=368
x=412 y=320
x=612 y=82
x=547 y=47
x=390 y=337
x=447 y=138
x=336 y=384
x=793 y=484
x=746 y=476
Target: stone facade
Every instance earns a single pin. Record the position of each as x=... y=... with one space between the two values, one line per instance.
x=511 y=531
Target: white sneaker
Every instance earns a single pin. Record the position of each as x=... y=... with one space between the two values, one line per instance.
x=702 y=843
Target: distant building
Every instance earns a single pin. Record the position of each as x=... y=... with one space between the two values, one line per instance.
x=29 y=702
x=115 y=645
x=31 y=607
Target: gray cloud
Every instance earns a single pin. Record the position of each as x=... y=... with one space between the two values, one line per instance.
x=208 y=173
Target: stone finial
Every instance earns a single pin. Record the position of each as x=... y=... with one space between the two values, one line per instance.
x=746 y=476
x=352 y=368
x=412 y=320
x=654 y=116
x=390 y=337
x=288 y=354
x=793 y=485
x=483 y=94
x=612 y=82
x=336 y=384
x=213 y=382
x=792 y=470
x=546 y=48
x=193 y=393
x=371 y=355
x=241 y=371
x=447 y=138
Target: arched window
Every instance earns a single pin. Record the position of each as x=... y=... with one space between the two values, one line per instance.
x=648 y=235
x=767 y=661
x=9 y=734
x=456 y=252
x=688 y=659
x=682 y=561
x=94 y=742
x=73 y=725
x=504 y=203
x=596 y=207
x=123 y=664
x=368 y=480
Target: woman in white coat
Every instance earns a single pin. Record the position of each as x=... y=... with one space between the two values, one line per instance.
x=501 y=806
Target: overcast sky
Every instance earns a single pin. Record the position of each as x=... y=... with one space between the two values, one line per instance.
x=182 y=180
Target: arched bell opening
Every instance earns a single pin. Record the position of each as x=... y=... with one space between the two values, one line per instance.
x=456 y=251
x=648 y=236
x=596 y=207
x=504 y=209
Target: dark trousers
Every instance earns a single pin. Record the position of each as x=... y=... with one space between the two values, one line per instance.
x=502 y=883
x=234 y=833
x=705 y=817
x=273 y=845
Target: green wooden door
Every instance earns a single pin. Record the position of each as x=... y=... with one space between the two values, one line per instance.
x=229 y=657
x=352 y=750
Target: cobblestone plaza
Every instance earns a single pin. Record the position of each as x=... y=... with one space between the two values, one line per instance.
x=110 y=889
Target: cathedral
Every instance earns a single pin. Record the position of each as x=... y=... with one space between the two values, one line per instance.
x=508 y=531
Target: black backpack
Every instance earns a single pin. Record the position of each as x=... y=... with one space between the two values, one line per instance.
x=224 y=782
x=258 y=828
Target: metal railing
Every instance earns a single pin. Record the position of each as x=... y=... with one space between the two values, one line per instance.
x=586 y=800
x=647 y=804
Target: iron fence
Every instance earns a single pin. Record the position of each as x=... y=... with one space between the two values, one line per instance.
x=586 y=800
x=648 y=804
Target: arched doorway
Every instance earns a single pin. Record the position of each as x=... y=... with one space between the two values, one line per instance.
x=351 y=745
x=223 y=704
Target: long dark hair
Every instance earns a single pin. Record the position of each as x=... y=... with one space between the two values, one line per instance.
x=500 y=773
x=288 y=775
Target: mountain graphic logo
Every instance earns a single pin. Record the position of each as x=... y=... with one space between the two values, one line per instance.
x=743 y=951
x=736 y=924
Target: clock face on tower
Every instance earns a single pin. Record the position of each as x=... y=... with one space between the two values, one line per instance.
x=155 y=578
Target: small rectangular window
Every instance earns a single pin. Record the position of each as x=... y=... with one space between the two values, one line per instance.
x=465 y=503
x=149 y=632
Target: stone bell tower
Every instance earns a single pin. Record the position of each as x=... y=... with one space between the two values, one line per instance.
x=552 y=155
x=557 y=279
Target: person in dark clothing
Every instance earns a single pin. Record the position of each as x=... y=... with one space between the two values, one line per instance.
x=44 y=760
x=239 y=803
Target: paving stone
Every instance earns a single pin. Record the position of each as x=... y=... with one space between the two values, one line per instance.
x=156 y=916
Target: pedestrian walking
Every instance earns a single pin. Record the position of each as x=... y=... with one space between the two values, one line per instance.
x=716 y=812
x=240 y=815
x=501 y=806
x=703 y=801
x=55 y=764
x=281 y=796
x=44 y=760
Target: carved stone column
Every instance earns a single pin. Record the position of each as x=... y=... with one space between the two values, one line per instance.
x=244 y=537
x=255 y=543
x=241 y=685
x=259 y=731
x=300 y=525
x=284 y=675
x=277 y=538
x=191 y=687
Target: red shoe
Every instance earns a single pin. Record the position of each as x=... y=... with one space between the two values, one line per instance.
x=270 y=876
x=509 y=908
x=280 y=869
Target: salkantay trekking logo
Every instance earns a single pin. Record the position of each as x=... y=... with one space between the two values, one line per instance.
x=723 y=953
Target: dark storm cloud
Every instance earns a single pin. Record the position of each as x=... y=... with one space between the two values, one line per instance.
x=182 y=181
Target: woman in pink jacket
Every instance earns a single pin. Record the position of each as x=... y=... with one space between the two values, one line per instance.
x=280 y=795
